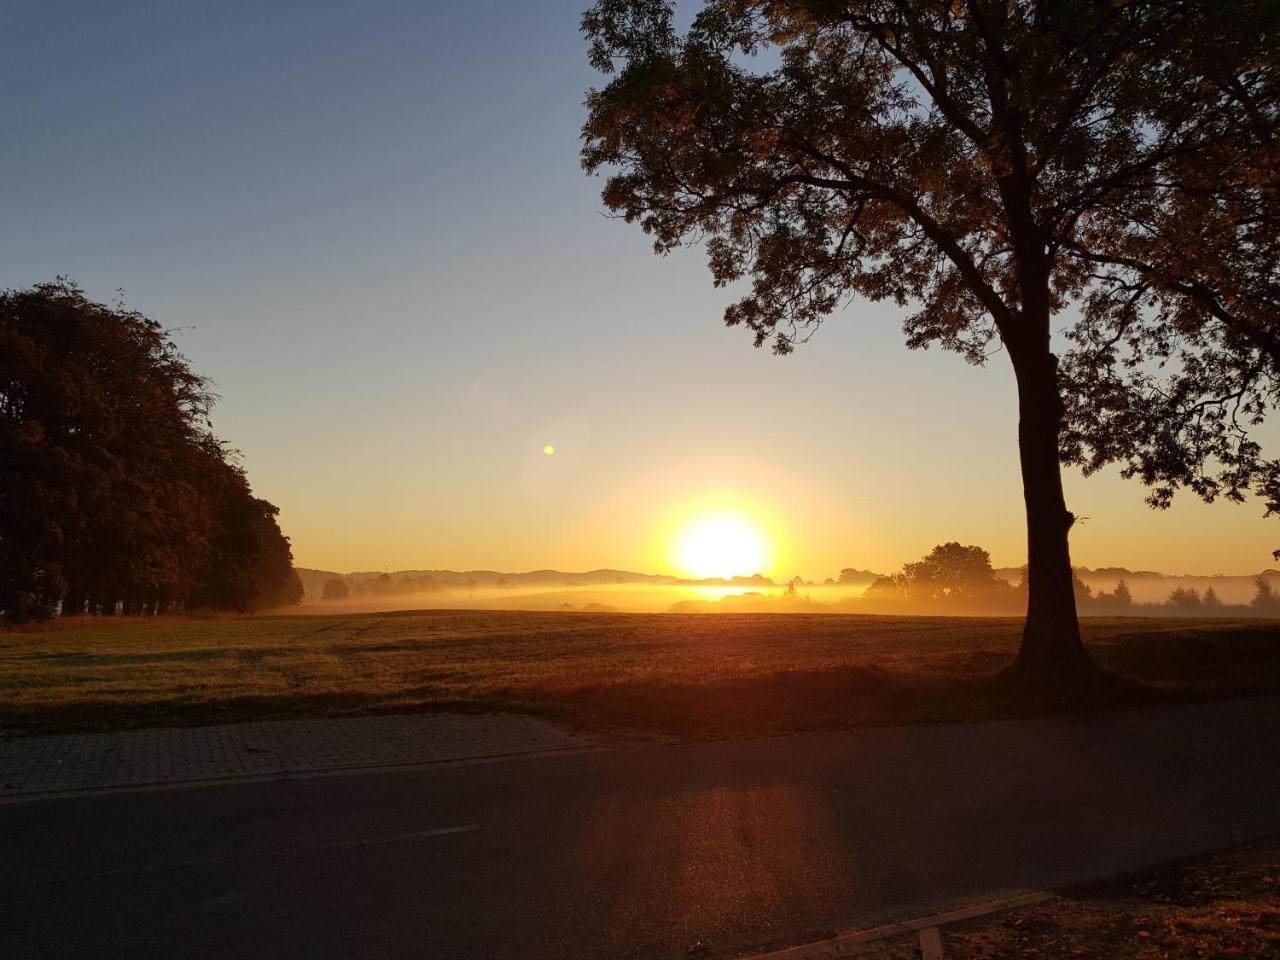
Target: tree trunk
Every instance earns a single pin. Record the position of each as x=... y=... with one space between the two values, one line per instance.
x=1052 y=653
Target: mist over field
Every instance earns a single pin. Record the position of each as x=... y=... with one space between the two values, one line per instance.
x=616 y=591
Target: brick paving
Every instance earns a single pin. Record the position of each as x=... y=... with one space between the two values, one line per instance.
x=91 y=761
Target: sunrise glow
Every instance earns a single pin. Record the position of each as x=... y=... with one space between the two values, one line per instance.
x=721 y=545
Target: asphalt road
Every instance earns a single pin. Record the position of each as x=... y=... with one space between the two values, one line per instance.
x=634 y=853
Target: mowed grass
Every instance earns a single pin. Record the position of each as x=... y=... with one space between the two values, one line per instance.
x=624 y=674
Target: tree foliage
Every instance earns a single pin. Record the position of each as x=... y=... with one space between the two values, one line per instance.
x=953 y=570
x=335 y=588
x=114 y=490
x=951 y=574
x=1090 y=186
x=1264 y=597
x=1185 y=599
x=926 y=151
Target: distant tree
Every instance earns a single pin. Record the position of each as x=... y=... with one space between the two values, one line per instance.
x=1264 y=597
x=992 y=164
x=1211 y=600
x=951 y=571
x=894 y=588
x=335 y=588
x=952 y=575
x=851 y=575
x=1122 y=596
x=1118 y=601
x=1185 y=599
x=383 y=586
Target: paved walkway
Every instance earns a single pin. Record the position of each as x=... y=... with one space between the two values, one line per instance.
x=39 y=765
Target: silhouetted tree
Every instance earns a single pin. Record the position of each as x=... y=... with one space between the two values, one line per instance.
x=1118 y=601
x=292 y=591
x=100 y=419
x=1122 y=596
x=893 y=588
x=335 y=588
x=1186 y=599
x=248 y=564
x=990 y=162
x=114 y=492
x=955 y=572
x=1264 y=597
x=953 y=576
x=1211 y=599
x=853 y=575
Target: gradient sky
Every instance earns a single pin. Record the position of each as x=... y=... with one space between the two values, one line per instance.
x=369 y=225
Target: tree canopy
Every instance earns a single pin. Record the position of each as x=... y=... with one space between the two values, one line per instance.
x=953 y=570
x=951 y=576
x=824 y=149
x=115 y=492
x=335 y=588
x=1089 y=186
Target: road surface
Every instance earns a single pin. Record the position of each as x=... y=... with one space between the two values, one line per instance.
x=639 y=852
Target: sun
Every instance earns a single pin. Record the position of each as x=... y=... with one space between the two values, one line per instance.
x=721 y=545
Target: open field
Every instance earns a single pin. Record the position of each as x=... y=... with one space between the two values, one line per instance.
x=643 y=674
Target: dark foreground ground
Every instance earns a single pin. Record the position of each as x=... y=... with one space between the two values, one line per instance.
x=666 y=675
x=1221 y=906
x=648 y=852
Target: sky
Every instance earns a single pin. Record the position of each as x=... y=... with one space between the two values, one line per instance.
x=367 y=223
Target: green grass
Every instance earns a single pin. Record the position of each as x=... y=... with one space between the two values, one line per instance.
x=645 y=674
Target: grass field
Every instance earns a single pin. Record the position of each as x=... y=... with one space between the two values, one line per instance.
x=640 y=674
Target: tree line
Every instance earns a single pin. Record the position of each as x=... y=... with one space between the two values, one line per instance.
x=116 y=496
x=954 y=578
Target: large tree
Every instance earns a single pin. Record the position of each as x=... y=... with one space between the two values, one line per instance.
x=1090 y=185
x=113 y=489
